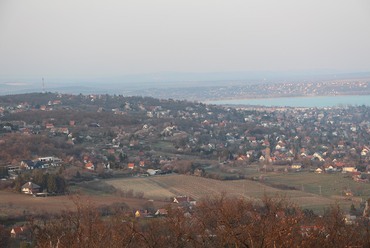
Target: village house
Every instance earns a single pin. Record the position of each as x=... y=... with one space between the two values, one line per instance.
x=198 y=172
x=142 y=214
x=49 y=159
x=90 y=166
x=19 y=232
x=49 y=125
x=30 y=188
x=330 y=168
x=161 y=212
x=349 y=169
x=296 y=166
x=27 y=164
x=153 y=172
x=184 y=200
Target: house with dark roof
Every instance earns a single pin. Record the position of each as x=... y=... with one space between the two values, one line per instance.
x=30 y=188
x=27 y=164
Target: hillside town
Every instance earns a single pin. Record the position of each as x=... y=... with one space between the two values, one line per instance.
x=50 y=142
x=136 y=134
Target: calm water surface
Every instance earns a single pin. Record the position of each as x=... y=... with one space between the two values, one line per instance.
x=317 y=101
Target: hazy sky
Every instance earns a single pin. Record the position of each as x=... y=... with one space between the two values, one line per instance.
x=108 y=38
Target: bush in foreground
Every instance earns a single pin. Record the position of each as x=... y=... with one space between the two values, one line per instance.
x=215 y=222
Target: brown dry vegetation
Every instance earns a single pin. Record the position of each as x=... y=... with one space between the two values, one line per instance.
x=215 y=222
x=164 y=187
x=12 y=204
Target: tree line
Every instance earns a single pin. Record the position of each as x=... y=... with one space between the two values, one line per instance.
x=52 y=183
x=214 y=222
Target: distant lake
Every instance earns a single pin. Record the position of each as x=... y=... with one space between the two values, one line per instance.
x=315 y=101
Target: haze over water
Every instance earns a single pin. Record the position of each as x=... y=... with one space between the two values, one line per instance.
x=310 y=102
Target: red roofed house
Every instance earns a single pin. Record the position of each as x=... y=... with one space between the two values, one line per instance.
x=19 y=231
x=161 y=211
x=131 y=166
x=89 y=166
x=49 y=125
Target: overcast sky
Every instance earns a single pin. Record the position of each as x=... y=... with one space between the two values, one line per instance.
x=108 y=38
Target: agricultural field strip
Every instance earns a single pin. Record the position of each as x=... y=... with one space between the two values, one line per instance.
x=192 y=186
x=331 y=184
x=166 y=186
x=150 y=189
x=162 y=185
x=170 y=185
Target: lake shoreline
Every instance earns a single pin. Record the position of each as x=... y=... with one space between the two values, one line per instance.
x=299 y=101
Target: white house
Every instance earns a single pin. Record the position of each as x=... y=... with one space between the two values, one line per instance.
x=349 y=169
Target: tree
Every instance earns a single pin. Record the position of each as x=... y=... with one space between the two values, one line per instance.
x=3 y=171
x=215 y=222
x=39 y=178
x=61 y=184
x=84 y=227
x=52 y=183
x=123 y=157
x=353 y=210
x=4 y=236
x=111 y=158
x=20 y=181
x=183 y=166
x=100 y=169
x=18 y=184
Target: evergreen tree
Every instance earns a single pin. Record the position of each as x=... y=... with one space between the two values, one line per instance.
x=3 y=171
x=52 y=183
